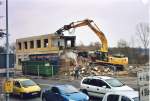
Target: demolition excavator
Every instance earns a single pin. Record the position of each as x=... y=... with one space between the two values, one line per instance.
x=101 y=56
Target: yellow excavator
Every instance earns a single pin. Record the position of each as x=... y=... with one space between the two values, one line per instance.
x=101 y=56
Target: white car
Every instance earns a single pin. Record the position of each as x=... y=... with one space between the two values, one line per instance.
x=99 y=85
x=122 y=96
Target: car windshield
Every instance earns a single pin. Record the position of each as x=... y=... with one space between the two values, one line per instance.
x=136 y=99
x=68 y=89
x=114 y=82
x=27 y=83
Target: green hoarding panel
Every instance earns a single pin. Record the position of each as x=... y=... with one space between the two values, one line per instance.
x=43 y=68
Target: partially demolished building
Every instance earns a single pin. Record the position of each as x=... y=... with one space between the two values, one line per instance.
x=43 y=45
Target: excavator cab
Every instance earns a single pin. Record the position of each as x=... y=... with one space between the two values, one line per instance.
x=102 y=56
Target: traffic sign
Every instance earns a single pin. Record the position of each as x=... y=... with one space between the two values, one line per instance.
x=143 y=84
x=144 y=93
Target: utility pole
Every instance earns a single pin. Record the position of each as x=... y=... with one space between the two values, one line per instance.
x=8 y=85
x=7 y=49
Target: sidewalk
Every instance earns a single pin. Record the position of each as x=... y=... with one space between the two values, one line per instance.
x=1 y=89
x=2 y=97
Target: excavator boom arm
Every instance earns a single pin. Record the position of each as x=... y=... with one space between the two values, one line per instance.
x=93 y=27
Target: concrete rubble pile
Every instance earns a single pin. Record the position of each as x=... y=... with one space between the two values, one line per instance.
x=133 y=69
x=86 y=69
x=98 y=70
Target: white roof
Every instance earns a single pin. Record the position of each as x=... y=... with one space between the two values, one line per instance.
x=101 y=77
x=130 y=94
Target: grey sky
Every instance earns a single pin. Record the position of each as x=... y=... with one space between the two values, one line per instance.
x=116 y=18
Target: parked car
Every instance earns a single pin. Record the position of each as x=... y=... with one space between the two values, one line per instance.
x=24 y=87
x=99 y=85
x=122 y=96
x=63 y=93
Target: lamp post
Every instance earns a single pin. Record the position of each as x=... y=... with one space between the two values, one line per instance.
x=7 y=46
x=7 y=49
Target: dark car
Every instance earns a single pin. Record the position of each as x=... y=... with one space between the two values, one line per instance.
x=63 y=93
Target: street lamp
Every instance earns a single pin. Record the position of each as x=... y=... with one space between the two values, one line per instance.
x=7 y=49
x=7 y=46
x=2 y=34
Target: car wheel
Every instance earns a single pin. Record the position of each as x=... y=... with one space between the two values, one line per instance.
x=44 y=99
x=21 y=95
x=39 y=94
x=85 y=91
x=11 y=94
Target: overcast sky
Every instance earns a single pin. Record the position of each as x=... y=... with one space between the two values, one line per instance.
x=116 y=18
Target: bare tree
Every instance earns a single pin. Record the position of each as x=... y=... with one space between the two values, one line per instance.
x=2 y=49
x=12 y=48
x=91 y=44
x=122 y=43
x=142 y=31
x=123 y=48
x=97 y=45
x=0 y=2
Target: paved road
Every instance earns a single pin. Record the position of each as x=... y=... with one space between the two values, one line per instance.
x=128 y=80
x=27 y=99
x=38 y=99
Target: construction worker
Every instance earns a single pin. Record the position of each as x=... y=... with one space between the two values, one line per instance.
x=76 y=71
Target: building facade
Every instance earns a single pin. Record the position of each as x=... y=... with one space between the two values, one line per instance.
x=43 y=44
